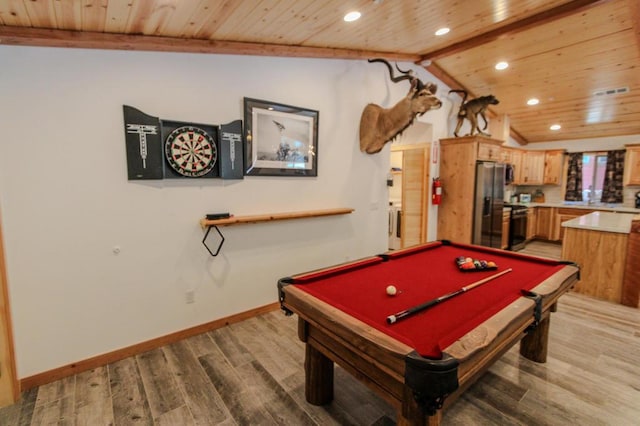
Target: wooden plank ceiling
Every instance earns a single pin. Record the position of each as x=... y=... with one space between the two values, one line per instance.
x=563 y=52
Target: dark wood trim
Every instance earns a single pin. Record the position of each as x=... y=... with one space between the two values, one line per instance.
x=93 y=40
x=117 y=355
x=543 y=17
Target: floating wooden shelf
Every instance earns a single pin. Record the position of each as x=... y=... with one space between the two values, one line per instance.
x=237 y=220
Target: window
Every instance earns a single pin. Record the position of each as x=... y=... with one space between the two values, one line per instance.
x=594 y=166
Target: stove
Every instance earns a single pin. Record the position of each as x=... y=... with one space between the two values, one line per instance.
x=517 y=226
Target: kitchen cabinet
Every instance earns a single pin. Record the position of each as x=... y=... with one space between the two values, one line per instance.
x=458 y=158
x=564 y=214
x=506 y=217
x=553 y=167
x=532 y=221
x=544 y=223
x=532 y=168
x=598 y=243
x=631 y=282
x=489 y=152
x=516 y=161
x=632 y=165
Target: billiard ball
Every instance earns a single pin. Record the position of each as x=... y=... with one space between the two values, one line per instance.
x=391 y=290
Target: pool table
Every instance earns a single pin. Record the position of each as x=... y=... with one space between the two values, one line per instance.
x=421 y=363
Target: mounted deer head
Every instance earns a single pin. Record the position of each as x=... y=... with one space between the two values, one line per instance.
x=379 y=125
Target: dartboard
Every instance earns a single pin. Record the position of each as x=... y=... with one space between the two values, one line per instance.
x=190 y=151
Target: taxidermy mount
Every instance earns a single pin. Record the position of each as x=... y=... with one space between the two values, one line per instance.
x=471 y=109
x=381 y=125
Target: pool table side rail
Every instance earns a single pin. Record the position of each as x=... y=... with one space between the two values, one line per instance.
x=365 y=352
x=347 y=328
x=394 y=254
x=334 y=269
x=550 y=290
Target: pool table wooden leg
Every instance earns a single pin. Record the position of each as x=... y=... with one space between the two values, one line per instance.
x=535 y=344
x=318 y=377
x=412 y=415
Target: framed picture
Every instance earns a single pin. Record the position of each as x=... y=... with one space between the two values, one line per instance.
x=281 y=140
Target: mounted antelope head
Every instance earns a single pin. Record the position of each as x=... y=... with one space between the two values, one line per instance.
x=380 y=125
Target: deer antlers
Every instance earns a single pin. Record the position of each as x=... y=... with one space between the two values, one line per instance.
x=407 y=75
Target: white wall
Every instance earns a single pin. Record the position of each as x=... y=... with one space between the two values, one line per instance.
x=66 y=202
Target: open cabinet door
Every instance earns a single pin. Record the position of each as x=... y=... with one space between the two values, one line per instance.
x=9 y=388
x=415 y=190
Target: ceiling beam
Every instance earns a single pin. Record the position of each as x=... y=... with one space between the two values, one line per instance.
x=532 y=21
x=543 y=17
x=22 y=36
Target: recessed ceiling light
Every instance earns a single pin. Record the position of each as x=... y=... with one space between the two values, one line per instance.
x=502 y=65
x=442 y=31
x=352 y=16
x=555 y=127
x=533 y=101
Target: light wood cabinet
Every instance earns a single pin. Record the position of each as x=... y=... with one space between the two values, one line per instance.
x=458 y=158
x=532 y=168
x=631 y=281
x=602 y=257
x=553 y=166
x=544 y=222
x=489 y=152
x=506 y=216
x=516 y=161
x=632 y=165
x=564 y=214
x=532 y=222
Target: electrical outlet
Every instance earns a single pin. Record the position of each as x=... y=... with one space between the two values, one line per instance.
x=190 y=296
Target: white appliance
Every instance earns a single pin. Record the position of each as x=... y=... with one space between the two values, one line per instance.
x=395 y=226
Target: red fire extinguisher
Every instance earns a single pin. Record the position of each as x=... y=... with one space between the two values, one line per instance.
x=436 y=192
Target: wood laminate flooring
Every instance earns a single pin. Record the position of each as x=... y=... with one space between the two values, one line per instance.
x=251 y=373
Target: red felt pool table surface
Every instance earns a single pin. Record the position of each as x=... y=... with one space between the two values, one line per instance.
x=419 y=275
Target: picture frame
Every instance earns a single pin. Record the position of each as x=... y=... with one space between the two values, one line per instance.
x=280 y=140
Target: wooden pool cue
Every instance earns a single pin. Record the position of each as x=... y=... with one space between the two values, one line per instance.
x=391 y=319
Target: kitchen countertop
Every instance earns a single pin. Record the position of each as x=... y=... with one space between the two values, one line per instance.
x=602 y=221
x=580 y=205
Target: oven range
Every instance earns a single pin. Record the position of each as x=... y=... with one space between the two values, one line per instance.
x=517 y=226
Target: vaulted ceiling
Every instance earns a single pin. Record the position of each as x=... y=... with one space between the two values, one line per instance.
x=579 y=58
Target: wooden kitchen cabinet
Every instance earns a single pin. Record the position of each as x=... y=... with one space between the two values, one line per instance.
x=631 y=282
x=632 y=165
x=506 y=217
x=544 y=223
x=532 y=222
x=458 y=158
x=564 y=214
x=489 y=152
x=515 y=159
x=532 y=168
x=553 y=167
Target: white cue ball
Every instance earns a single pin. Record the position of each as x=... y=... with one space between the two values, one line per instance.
x=391 y=290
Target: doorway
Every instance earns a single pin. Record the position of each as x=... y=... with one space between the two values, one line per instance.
x=408 y=192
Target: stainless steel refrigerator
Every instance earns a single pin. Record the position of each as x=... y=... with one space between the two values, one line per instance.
x=488 y=205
